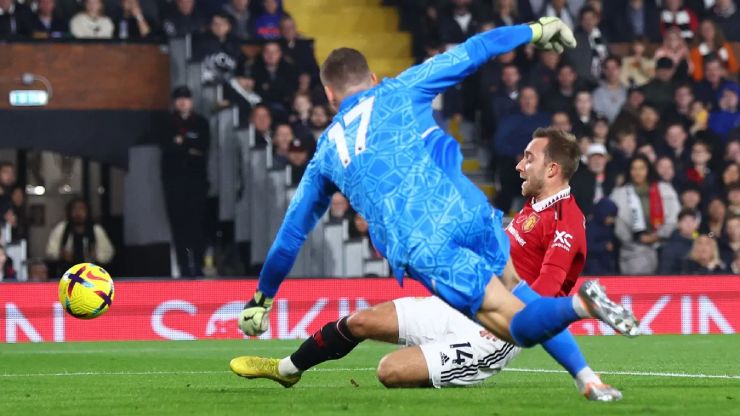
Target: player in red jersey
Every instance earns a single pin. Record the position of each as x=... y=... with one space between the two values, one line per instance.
x=548 y=250
x=548 y=235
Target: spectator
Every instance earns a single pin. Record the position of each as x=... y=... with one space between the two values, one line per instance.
x=358 y=227
x=667 y=172
x=241 y=18
x=92 y=23
x=275 y=79
x=632 y=19
x=675 y=147
x=559 y=9
x=584 y=116
x=727 y=116
x=699 y=171
x=601 y=240
x=219 y=51
x=185 y=141
x=458 y=24
x=15 y=20
x=601 y=130
x=281 y=142
x=588 y=55
x=561 y=97
x=319 y=120
x=37 y=271
x=504 y=101
x=78 y=239
x=660 y=91
x=339 y=210
x=675 y=15
x=16 y=215
x=505 y=13
x=262 y=122
x=611 y=94
x=629 y=115
x=677 y=248
x=648 y=125
x=583 y=182
x=699 y=116
x=732 y=242
x=726 y=15
x=733 y=199
x=712 y=41
x=7 y=272
x=714 y=223
x=704 y=257
x=730 y=175
x=708 y=90
x=647 y=213
x=680 y=110
x=691 y=198
x=626 y=146
x=45 y=24
x=301 y=115
x=7 y=181
x=637 y=69
x=542 y=75
x=298 y=156
x=512 y=136
x=597 y=163
x=132 y=24
x=674 y=47
x=267 y=25
x=561 y=121
x=298 y=50
x=183 y=19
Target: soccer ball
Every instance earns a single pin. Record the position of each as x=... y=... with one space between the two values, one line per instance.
x=86 y=291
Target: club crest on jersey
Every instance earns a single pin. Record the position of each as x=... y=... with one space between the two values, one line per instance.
x=530 y=222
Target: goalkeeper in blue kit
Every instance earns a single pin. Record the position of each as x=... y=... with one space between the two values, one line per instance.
x=402 y=173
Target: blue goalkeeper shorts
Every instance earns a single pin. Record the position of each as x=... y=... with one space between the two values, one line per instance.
x=462 y=267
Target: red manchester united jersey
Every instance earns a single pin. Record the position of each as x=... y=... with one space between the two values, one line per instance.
x=548 y=243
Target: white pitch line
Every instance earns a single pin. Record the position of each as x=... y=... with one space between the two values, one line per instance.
x=521 y=370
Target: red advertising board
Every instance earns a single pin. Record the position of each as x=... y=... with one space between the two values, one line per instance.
x=207 y=309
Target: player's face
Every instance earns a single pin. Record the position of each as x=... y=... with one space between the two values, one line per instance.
x=532 y=168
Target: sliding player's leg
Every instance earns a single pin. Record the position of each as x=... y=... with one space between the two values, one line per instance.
x=333 y=341
x=563 y=348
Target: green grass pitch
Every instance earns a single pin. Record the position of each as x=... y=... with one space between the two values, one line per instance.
x=668 y=375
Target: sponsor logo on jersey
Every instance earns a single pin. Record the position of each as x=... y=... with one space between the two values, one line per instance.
x=562 y=240
x=444 y=358
x=530 y=222
x=516 y=235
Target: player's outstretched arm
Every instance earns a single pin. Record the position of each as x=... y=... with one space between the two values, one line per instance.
x=447 y=69
x=306 y=208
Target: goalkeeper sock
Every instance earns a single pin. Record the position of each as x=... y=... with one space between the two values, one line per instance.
x=541 y=319
x=562 y=347
x=331 y=342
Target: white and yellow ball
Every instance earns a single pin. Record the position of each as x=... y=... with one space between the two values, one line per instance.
x=86 y=291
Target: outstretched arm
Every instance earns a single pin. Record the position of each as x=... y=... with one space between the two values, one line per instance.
x=449 y=68
x=306 y=208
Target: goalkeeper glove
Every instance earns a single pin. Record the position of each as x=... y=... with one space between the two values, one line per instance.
x=255 y=318
x=550 y=33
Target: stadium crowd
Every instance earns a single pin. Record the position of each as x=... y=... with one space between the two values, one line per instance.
x=650 y=94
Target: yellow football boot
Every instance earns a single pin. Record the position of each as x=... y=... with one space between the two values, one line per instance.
x=259 y=367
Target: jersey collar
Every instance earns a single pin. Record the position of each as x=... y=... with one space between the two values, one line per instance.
x=350 y=101
x=540 y=206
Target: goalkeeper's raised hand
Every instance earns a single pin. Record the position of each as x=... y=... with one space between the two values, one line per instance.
x=255 y=318
x=550 y=33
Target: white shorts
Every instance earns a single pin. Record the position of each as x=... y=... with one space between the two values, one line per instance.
x=458 y=352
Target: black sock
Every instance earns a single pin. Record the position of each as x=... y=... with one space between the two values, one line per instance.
x=332 y=342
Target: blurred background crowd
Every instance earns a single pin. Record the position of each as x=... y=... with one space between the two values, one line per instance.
x=650 y=93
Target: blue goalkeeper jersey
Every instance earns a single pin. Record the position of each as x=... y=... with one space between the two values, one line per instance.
x=398 y=169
